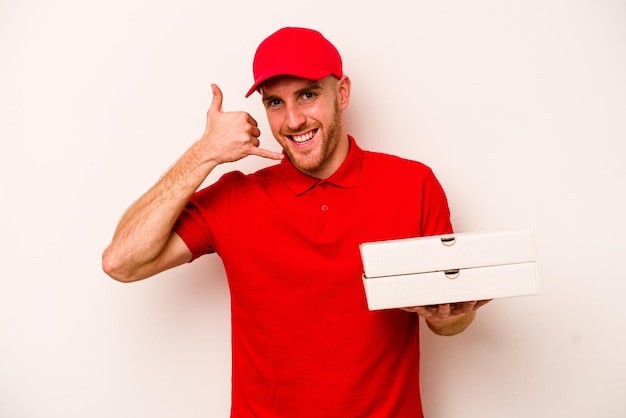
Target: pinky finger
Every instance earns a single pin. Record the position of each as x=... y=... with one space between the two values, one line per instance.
x=261 y=152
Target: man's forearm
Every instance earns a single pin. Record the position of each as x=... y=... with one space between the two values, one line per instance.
x=145 y=228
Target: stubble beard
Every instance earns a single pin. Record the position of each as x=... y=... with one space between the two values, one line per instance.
x=313 y=161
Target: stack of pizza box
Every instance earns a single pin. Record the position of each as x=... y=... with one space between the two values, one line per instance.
x=449 y=268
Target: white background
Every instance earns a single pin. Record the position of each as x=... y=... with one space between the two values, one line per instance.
x=518 y=106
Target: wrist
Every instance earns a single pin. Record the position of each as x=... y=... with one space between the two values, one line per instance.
x=198 y=160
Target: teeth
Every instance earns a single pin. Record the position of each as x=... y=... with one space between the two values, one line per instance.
x=302 y=138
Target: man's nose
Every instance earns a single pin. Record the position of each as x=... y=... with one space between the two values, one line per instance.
x=295 y=117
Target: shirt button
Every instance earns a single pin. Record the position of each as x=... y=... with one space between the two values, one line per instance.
x=324 y=208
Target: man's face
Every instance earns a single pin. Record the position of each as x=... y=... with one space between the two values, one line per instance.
x=305 y=118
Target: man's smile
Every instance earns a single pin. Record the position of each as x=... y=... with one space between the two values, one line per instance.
x=303 y=138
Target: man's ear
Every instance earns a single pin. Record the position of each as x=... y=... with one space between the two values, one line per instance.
x=343 y=92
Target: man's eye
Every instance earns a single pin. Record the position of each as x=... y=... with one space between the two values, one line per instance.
x=308 y=95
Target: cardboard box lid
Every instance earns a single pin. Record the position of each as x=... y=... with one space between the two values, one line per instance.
x=446 y=252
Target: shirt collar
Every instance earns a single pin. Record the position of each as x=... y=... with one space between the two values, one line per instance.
x=345 y=176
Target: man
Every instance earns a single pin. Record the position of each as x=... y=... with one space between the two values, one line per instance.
x=304 y=342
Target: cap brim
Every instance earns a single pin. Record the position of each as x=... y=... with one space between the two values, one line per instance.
x=301 y=71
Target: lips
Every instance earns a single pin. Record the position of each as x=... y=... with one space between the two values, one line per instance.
x=304 y=138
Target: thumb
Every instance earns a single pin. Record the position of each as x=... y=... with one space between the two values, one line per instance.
x=216 y=104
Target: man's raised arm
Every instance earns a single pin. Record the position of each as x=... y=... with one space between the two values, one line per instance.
x=144 y=243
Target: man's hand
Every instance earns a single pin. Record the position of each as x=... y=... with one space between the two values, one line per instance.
x=230 y=136
x=448 y=318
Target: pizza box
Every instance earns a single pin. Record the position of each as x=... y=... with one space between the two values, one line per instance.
x=451 y=286
x=445 y=252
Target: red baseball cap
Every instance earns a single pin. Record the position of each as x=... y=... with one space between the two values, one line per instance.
x=300 y=52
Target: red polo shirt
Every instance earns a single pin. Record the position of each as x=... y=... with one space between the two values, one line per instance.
x=304 y=342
